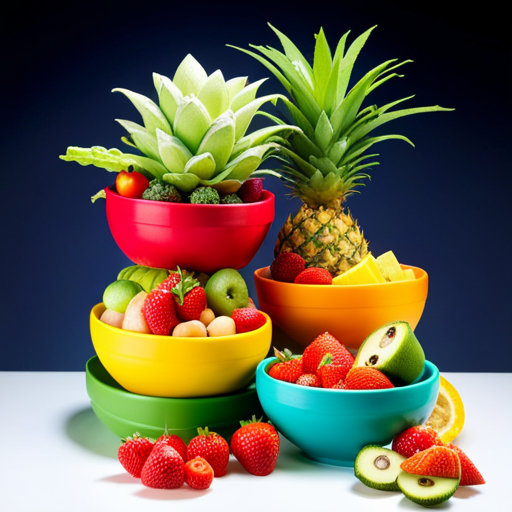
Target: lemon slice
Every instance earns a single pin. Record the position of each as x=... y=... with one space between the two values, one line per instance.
x=365 y=272
x=447 y=418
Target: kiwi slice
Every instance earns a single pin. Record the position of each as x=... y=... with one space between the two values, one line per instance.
x=395 y=351
x=378 y=467
x=426 y=490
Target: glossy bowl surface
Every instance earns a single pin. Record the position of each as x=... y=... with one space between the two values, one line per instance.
x=350 y=312
x=197 y=237
x=124 y=413
x=331 y=426
x=169 y=366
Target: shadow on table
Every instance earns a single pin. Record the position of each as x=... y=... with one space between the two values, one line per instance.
x=85 y=429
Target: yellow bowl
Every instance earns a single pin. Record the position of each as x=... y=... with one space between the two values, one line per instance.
x=167 y=366
x=348 y=312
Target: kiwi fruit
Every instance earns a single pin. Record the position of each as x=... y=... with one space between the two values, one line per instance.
x=426 y=490
x=378 y=467
x=394 y=350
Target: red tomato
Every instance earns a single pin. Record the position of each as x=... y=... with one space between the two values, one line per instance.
x=131 y=184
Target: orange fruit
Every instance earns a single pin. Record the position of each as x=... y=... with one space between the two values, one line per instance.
x=447 y=418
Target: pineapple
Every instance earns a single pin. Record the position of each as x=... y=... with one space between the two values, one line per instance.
x=195 y=136
x=327 y=160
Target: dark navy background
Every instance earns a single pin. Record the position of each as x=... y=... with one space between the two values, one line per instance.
x=442 y=206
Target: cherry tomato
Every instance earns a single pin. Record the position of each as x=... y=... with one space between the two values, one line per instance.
x=131 y=184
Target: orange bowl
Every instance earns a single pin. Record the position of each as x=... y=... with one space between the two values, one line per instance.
x=348 y=312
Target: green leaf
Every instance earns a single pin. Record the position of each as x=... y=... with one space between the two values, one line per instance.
x=337 y=150
x=173 y=152
x=203 y=166
x=324 y=165
x=331 y=90
x=169 y=96
x=246 y=95
x=322 y=65
x=101 y=194
x=306 y=168
x=299 y=118
x=214 y=95
x=323 y=132
x=191 y=122
x=190 y=76
x=144 y=141
x=184 y=181
x=109 y=159
x=153 y=117
x=219 y=140
x=234 y=86
x=261 y=136
x=143 y=165
x=244 y=165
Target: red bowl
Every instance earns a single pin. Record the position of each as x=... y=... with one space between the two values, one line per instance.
x=201 y=237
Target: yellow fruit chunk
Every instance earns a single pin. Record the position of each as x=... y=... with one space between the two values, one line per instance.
x=365 y=272
x=447 y=418
x=409 y=273
x=390 y=267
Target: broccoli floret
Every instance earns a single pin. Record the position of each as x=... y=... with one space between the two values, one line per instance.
x=204 y=195
x=231 y=199
x=159 y=190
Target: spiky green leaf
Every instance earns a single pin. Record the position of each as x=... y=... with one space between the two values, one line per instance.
x=190 y=76
x=246 y=95
x=234 y=86
x=169 y=96
x=191 y=122
x=323 y=132
x=322 y=64
x=173 y=153
x=143 y=140
x=214 y=95
x=203 y=166
x=219 y=140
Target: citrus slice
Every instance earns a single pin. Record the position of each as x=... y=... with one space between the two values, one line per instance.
x=365 y=272
x=447 y=418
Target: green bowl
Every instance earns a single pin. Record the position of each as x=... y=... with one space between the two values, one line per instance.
x=125 y=413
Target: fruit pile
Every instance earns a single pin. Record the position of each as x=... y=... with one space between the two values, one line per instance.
x=390 y=356
x=175 y=303
x=426 y=470
x=168 y=463
x=290 y=267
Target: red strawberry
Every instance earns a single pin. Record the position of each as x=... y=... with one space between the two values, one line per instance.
x=198 y=473
x=325 y=344
x=134 y=451
x=211 y=447
x=159 y=312
x=415 y=439
x=256 y=446
x=365 y=377
x=314 y=275
x=434 y=461
x=330 y=374
x=287 y=266
x=308 y=379
x=288 y=369
x=170 y=282
x=164 y=469
x=189 y=296
x=339 y=385
x=251 y=189
x=247 y=319
x=470 y=475
x=175 y=442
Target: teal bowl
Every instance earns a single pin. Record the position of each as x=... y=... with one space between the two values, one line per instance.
x=124 y=413
x=331 y=426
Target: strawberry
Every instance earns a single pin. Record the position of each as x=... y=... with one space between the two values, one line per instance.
x=339 y=385
x=211 y=447
x=164 y=469
x=175 y=442
x=470 y=475
x=134 y=451
x=415 y=439
x=288 y=369
x=331 y=374
x=325 y=344
x=198 y=473
x=256 y=446
x=314 y=275
x=365 y=377
x=159 y=312
x=247 y=319
x=170 y=282
x=434 y=461
x=310 y=380
x=251 y=189
x=287 y=266
x=189 y=296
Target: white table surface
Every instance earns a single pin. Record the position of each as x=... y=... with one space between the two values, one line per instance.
x=57 y=456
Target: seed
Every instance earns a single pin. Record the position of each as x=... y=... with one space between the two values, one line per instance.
x=388 y=337
x=382 y=462
x=425 y=482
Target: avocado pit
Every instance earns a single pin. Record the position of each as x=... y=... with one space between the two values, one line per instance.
x=425 y=482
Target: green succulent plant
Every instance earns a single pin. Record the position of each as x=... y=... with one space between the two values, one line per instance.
x=197 y=134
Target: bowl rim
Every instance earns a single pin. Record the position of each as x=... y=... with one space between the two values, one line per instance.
x=420 y=274
x=95 y=317
x=264 y=365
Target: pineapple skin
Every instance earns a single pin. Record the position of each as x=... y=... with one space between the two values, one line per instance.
x=326 y=237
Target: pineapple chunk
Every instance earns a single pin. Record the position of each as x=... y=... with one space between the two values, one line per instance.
x=390 y=267
x=365 y=272
x=409 y=273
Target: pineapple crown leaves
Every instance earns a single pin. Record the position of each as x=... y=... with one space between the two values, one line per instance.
x=197 y=134
x=335 y=128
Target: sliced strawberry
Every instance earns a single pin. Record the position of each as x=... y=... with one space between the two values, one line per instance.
x=415 y=439
x=434 y=461
x=198 y=473
x=470 y=474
